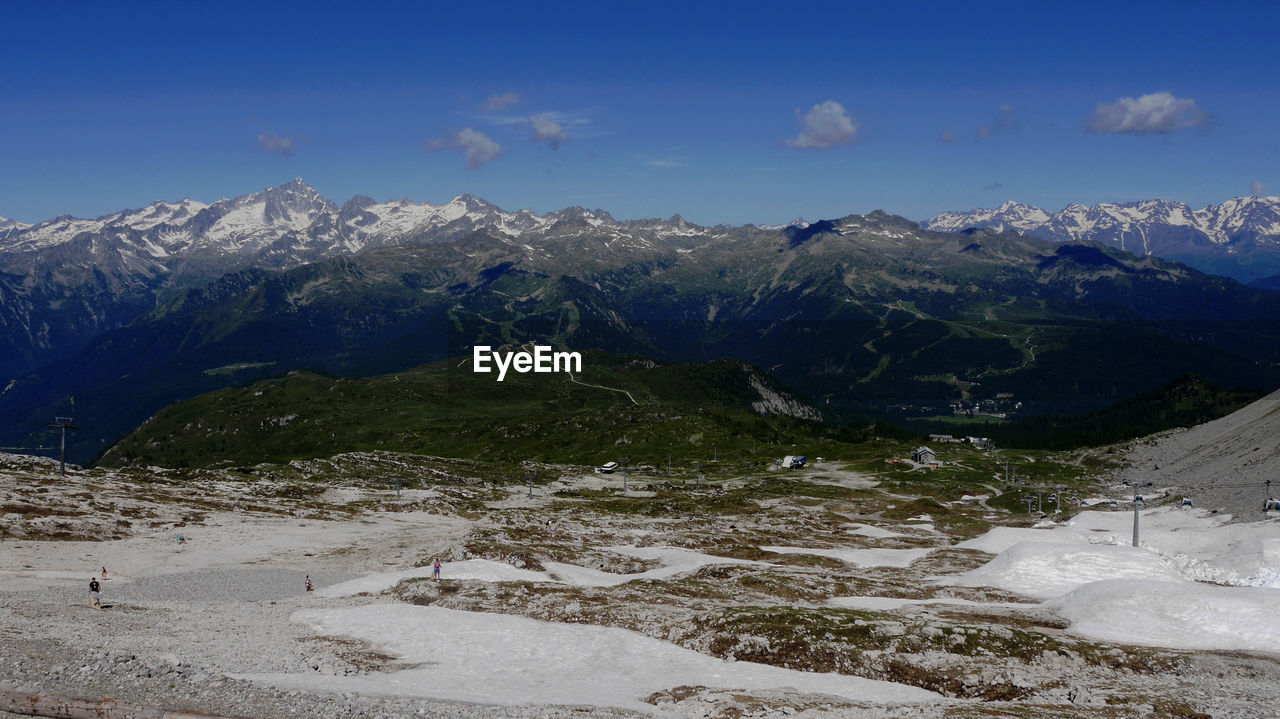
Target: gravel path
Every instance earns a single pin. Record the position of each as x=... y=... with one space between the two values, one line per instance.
x=221 y=584
x=167 y=641
x=154 y=682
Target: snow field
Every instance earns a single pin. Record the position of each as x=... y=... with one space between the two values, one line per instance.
x=1179 y=615
x=1154 y=595
x=1194 y=532
x=503 y=659
x=861 y=557
x=1254 y=563
x=1048 y=569
x=880 y=604
x=1199 y=546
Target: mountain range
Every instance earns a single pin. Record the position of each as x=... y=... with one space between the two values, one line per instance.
x=65 y=280
x=111 y=320
x=1239 y=238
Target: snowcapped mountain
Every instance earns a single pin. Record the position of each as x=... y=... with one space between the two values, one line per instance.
x=1239 y=238
x=290 y=225
x=66 y=279
x=1009 y=216
x=8 y=224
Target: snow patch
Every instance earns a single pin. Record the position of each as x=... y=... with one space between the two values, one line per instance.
x=869 y=530
x=876 y=604
x=509 y=660
x=861 y=557
x=1048 y=569
x=1176 y=615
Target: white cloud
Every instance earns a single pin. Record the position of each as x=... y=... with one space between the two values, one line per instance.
x=275 y=144
x=1156 y=113
x=475 y=146
x=1257 y=188
x=500 y=102
x=1004 y=122
x=544 y=128
x=826 y=125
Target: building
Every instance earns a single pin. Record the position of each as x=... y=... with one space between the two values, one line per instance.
x=924 y=455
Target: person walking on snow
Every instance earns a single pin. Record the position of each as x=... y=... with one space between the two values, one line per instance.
x=95 y=596
x=435 y=571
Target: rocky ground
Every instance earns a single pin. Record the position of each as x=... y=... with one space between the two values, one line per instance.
x=181 y=617
x=1222 y=465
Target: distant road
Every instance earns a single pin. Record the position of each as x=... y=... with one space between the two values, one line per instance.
x=611 y=389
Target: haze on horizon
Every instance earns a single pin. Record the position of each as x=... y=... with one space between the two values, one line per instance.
x=724 y=113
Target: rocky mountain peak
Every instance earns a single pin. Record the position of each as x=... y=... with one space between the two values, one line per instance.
x=471 y=203
x=359 y=202
x=293 y=198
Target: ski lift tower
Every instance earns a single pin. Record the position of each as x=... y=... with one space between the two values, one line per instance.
x=1137 y=502
x=63 y=423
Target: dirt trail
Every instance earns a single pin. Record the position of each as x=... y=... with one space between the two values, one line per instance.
x=575 y=380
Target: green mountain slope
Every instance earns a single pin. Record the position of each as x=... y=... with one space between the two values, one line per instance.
x=617 y=406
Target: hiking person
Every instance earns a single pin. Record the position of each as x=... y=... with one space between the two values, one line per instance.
x=95 y=593
x=104 y=572
x=308 y=581
x=435 y=570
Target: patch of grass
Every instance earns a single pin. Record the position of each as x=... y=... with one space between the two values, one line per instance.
x=915 y=508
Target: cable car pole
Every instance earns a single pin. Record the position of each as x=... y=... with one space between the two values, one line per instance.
x=1137 y=501
x=65 y=424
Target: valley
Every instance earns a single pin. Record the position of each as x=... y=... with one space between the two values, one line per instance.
x=860 y=315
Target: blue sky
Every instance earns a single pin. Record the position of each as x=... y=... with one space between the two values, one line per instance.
x=724 y=112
